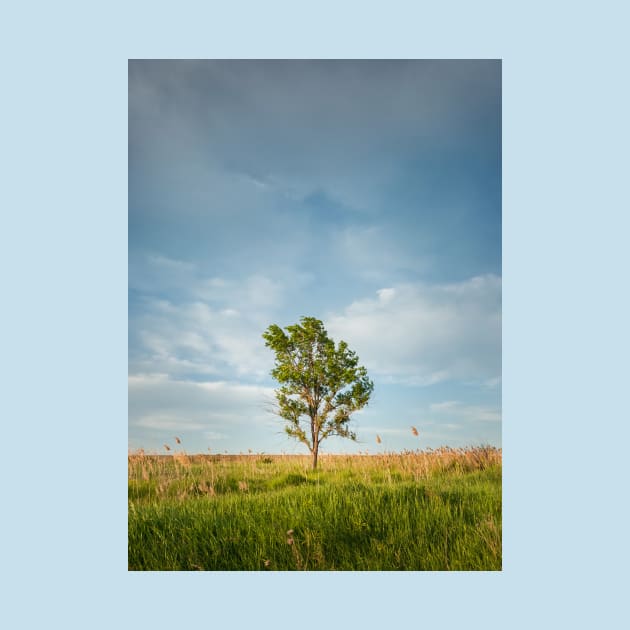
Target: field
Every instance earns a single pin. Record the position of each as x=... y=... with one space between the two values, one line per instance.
x=434 y=510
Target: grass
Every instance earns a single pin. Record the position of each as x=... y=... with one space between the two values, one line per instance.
x=416 y=510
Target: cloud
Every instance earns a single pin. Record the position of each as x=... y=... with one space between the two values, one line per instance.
x=415 y=334
x=361 y=115
x=386 y=295
x=423 y=334
x=254 y=295
x=197 y=338
x=467 y=413
x=159 y=404
x=375 y=252
x=183 y=322
x=154 y=272
x=492 y=383
x=164 y=263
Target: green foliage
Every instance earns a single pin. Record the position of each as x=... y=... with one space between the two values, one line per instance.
x=321 y=385
x=287 y=480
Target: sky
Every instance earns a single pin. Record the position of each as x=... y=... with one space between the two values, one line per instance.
x=364 y=193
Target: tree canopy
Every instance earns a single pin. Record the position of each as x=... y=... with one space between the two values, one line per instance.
x=321 y=384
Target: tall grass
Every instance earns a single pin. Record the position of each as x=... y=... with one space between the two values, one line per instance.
x=416 y=510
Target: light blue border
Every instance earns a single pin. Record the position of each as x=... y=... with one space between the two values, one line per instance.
x=64 y=257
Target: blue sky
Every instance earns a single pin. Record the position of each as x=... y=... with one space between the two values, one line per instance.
x=364 y=193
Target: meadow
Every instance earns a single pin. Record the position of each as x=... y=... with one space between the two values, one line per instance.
x=430 y=510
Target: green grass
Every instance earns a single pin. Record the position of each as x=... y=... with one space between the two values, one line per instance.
x=410 y=511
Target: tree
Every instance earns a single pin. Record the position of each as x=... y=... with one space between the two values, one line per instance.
x=321 y=385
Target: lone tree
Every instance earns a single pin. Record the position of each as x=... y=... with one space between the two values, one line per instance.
x=321 y=385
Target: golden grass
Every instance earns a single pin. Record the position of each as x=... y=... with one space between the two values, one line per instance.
x=180 y=474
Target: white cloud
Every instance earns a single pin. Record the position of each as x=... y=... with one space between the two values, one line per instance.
x=467 y=413
x=491 y=383
x=214 y=435
x=165 y=422
x=262 y=292
x=164 y=262
x=219 y=336
x=149 y=272
x=444 y=406
x=158 y=403
x=249 y=294
x=374 y=252
x=386 y=295
x=423 y=334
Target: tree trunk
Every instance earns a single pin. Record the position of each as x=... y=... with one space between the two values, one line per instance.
x=314 y=436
